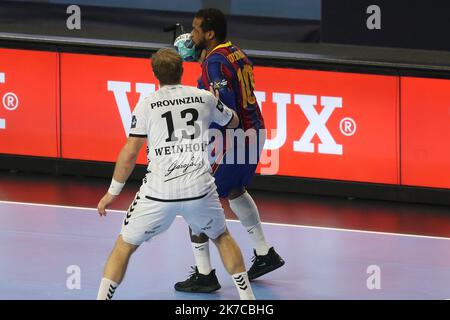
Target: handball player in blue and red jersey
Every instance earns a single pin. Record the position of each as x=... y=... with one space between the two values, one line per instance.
x=228 y=70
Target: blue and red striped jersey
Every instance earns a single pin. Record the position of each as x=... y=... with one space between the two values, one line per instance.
x=230 y=71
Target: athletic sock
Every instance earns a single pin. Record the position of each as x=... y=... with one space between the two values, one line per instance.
x=107 y=289
x=243 y=286
x=202 y=259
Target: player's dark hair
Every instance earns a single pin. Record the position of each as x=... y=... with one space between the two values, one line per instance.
x=213 y=20
x=167 y=66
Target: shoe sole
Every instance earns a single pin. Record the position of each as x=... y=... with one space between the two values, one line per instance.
x=208 y=290
x=265 y=271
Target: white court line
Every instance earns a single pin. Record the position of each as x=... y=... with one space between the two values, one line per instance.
x=58 y=206
x=230 y=220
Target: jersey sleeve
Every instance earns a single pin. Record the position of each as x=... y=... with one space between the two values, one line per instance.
x=220 y=113
x=139 y=121
x=216 y=74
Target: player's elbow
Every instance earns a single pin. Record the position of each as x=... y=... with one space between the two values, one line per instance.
x=129 y=154
x=132 y=156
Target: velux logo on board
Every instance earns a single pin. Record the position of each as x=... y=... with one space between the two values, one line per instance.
x=317 y=120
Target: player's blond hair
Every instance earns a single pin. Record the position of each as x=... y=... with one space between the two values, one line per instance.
x=167 y=66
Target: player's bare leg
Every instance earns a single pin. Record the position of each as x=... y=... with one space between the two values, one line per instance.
x=115 y=268
x=234 y=263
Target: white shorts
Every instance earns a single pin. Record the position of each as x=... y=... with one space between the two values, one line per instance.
x=147 y=218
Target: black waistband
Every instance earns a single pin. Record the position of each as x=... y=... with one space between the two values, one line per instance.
x=176 y=200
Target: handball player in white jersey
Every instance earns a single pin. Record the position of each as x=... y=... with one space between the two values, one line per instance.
x=174 y=121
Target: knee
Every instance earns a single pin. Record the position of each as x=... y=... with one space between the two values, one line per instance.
x=235 y=193
x=125 y=247
x=223 y=238
x=200 y=238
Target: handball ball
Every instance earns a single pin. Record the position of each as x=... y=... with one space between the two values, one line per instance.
x=186 y=47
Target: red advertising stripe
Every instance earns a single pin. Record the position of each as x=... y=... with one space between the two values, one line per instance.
x=98 y=96
x=28 y=103
x=425 y=132
x=317 y=137
x=331 y=125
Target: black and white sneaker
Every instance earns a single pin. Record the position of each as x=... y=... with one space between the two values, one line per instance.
x=199 y=283
x=264 y=264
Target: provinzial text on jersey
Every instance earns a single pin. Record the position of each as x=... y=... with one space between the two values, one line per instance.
x=178 y=101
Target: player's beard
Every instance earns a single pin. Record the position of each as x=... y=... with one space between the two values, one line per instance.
x=201 y=44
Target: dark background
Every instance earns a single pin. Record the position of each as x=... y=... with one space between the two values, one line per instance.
x=417 y=24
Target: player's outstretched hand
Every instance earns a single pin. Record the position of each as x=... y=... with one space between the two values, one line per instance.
x=215 y=92
x=104 y=203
